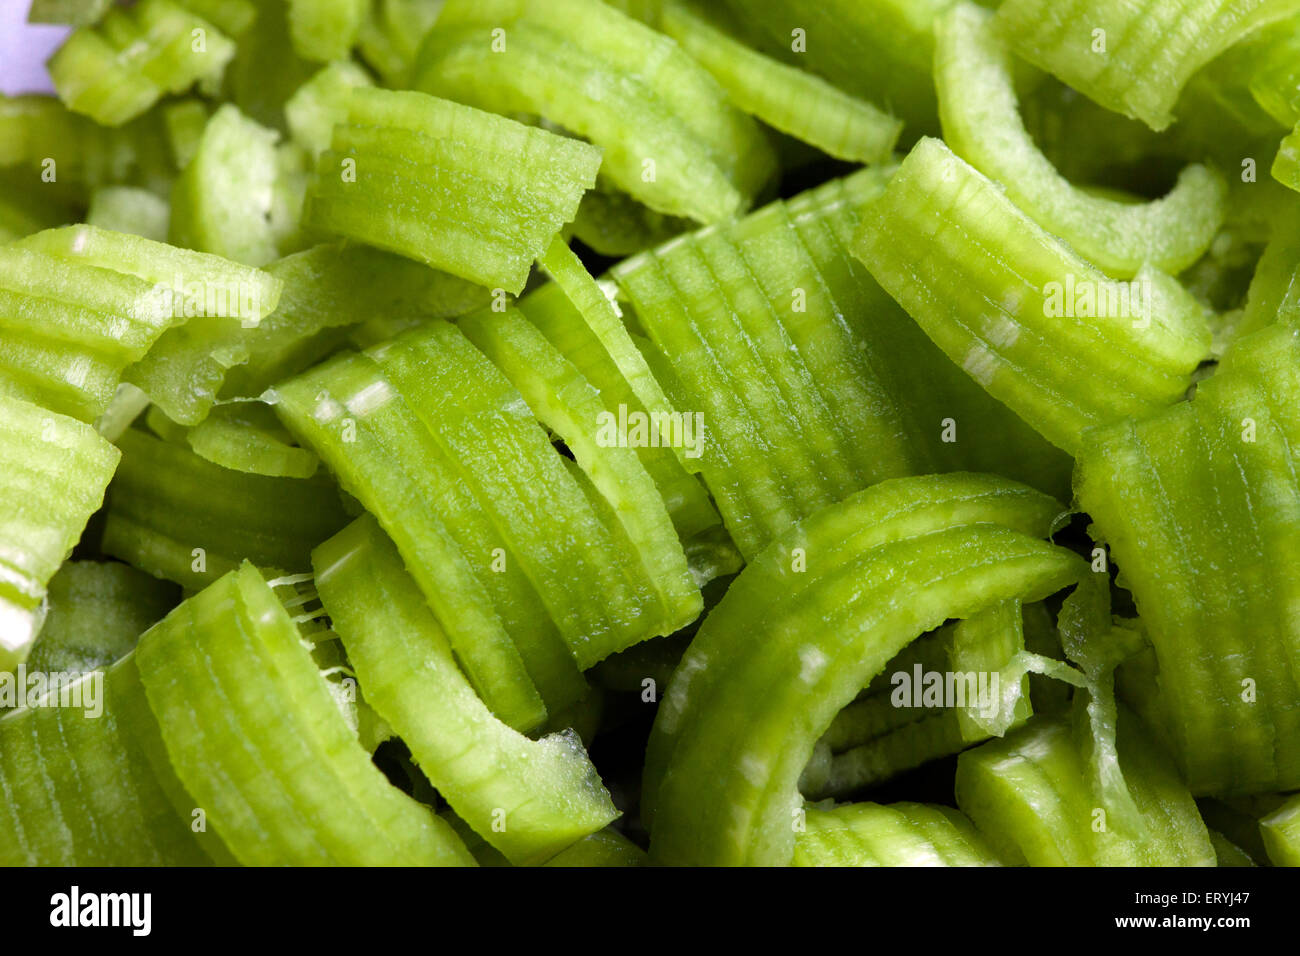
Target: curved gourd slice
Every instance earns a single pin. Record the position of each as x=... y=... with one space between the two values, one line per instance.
x=1023 y=315
x=53 y=472
x=528 y=798
x=469 y=192
x=981 y=123
x=256 y=737
x=786 y=98
x=181 y=517
x=1200 y=507
x=84 y=780
x=898 y=834
x=1281 y=833
x=786 y=648
x=116 y=70
x=669 y=136
x=97 y=611
x=1030 y=795
x=1133 y=58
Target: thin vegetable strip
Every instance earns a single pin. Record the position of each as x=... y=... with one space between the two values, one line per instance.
x=1200 y=507
x=183 y=518
x=669 y=136
x=53 y=472
x=528 y=798
x=256 y=737
x=981 y=123
x=1025 y=317
x=1133 y=58
x=953 y=545
x=495 y=191
x=899 y=834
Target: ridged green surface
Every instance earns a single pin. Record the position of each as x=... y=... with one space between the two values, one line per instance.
x=256 y=737
x=899 y=834
x=528 y=798
x=462 y=190
x=96 y=613
x=1200 y=507
x=981 y=123
x=669 y=137
x=779 y=339
x=116 y=70
x=785 y=649
x=1150 y=51
x=53 y=472
x=181 y=517
x=784 y=97
x=83 y=790
x=248 y=437
x=1018 y=310
x=1030 y=795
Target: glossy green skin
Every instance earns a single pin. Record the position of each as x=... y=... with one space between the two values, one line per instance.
x=981 y=123
x=116 y=70
x=83 y=790
x=784 y=97
x=983 y=281
x=1281 y=833
x=258 y=740
x=786 y=650
x=249 y=438
x=498 y=191
x=166 y=501
x=1204 y=525
x=900 y=834
x=528 y=798
x=654 y=101
x=836 y=379
x=1152 y=49
x=1029 y=793
x=53 y=472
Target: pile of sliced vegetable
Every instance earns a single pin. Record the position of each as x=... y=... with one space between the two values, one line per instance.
x=581 y=433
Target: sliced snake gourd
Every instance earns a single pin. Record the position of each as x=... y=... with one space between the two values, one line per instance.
x=670 y=137
x=830 y=617
x=53 y=472
x=469 y=192
x=97 y=612
x=186 y=519
x=1031 y=797
x=898 y=834
x=1281 y=832
x=1033 y=323
x=981 y=123
x=1200 y=507
x=257 y=739
x=203 y=304
x=85 y=781
x=1133 y=58
x=785 y=97
x=528 y=798
x=117 y=69
x=775 y=338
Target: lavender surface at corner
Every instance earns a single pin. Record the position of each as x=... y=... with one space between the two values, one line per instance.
x=24 y=48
